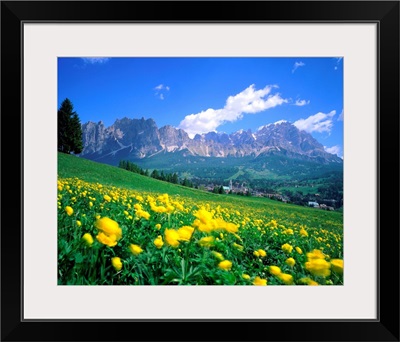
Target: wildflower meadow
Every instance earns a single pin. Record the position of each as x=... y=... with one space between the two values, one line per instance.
x=112 y=235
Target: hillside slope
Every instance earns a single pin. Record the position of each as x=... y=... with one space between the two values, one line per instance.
x=71 y=166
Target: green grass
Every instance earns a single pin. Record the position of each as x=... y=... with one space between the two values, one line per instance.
x=131 y=204
x=90 y=171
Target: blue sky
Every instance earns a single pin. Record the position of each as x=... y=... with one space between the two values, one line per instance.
x=222 y=94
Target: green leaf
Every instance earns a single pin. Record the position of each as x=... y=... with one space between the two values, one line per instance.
x=78 y=258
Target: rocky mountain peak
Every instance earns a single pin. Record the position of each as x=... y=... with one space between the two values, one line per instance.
x=141 y=138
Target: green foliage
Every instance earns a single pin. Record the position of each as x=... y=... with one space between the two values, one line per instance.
x=69 y=129
x=127 y=165
x=187 y=182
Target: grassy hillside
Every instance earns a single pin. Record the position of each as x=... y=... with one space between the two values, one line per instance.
x=116 y=227
x=72 y=166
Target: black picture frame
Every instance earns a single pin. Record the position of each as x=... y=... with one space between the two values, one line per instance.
x=384 y=328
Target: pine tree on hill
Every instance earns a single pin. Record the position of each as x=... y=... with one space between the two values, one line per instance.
x=69 y=129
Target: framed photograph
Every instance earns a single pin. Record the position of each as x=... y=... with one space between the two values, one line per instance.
x=193 y=162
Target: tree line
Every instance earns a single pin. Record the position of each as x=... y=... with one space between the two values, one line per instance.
x=156 y=174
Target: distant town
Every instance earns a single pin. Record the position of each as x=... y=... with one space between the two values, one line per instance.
x=242 y=189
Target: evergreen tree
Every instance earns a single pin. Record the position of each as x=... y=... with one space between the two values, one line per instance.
x=69 y=129
x=174 y=178
x=162 y=176
x=186 y=182
x=155 y=174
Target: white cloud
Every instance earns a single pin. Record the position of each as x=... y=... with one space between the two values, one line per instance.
x=297 y=65
x=161 y=90
x=319 y=122
x=341 y=116
x=249 y=101
x=95 y=60
x=334 y=150
x=301 y=102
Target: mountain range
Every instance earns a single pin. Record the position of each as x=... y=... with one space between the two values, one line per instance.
x=136 y=139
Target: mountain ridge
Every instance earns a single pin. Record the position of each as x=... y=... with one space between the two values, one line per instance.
x=134 y=139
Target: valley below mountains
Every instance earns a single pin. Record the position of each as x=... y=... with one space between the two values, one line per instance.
x=276 y=157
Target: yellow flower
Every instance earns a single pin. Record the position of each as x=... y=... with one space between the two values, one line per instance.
x=237 y=237
x=88 y=239
x=259 y=281
x=157 y=209
x=312 y=283
x=290 y=261
x=239 y=247
x=109 y=227
x=171 y=237
x=337 y=265
x=142 y=214
x=206 y=241
x=108 y=240
x=69 y=210
x=158 y=226
x=116 y=262
x=298 y=250
x=78 y=223
x=203 y=215
x=107 y=198
x=287 y=248
x=286 y=278
x=256 y=253
x=245 y=276
x=273 y=223
x=206 y=228
x=218 y=255
x=158 y=242
x=185 y=233
x=262 y=253
x=315 y=254
x=135 y=249
x=225 y=265
x=308 y=281
x=318 y=267
x=275 y=270
x=303 y=232
x=90 y=204
x=231 y=227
